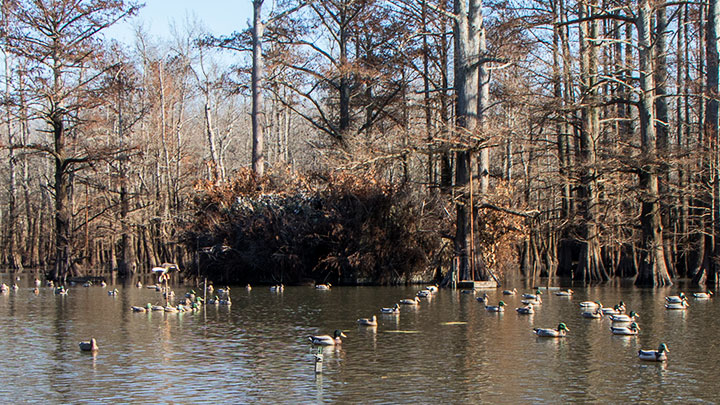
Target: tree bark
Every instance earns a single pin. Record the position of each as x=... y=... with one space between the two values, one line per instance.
x=258 y=159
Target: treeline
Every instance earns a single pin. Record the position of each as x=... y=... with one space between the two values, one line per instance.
x=583 y=134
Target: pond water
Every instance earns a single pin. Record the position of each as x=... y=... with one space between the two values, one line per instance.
x=448 y=349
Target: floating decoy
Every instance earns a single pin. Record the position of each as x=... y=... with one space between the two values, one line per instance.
x=473 y=291
x=632 y=316
x=561 y=331
x=424 y=294
x=210 y=288
x=4 y=288
x=170 y=308
x=566 y=293
x=703 y=295
x=50 y=283
x=88 y=284
x=484 y=299
x=138 y=284
x=676 y=299
x=654 y=355
x=157 y=308
x=248 y=287
x=532 y=296
x=323 y=286
x=367 y=321
x=510 y=292
x=413 y=301
x=677 y=305
x=393 y=310
x=15 y=287
x=227 y=302
x=327 y=340
x=61 y=290
x=616 y=310
x=277 y=288
x=590 y=304
x=535 y=301
x=432 y=288
x=89 y=346
x=526 y=310
x=36 y=291
x=146 y=308
x=113 y=292
x=103 y=284
x=500 y=307
x=214 y=301
x=37 y=282
x=633 y=329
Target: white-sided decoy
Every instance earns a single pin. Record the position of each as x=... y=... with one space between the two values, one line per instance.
x=327 y=340
x=654 y=355
x=367 y=321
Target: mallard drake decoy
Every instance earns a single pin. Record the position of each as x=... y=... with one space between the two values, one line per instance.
x=61 y=290
x=113 y=292
x=500 y=307
x=590 y=304
x=654 y=355
x=323 y=286
x=526 y=310
x=424 y=294
x=510 y=292
x=633 y=329
x=616 y=310
x=146 y=308
x=327 y=340
x=432 y=288
x=676 y=299
x=532 y=296
x=89 y=346
x=170 y=308
x=677 y=305
x=535 y=301
x=413 y=301
x=157 y=308
x=561 y=331
x=632 y=316
x=484 y=299
x=367 y=321
x=393 y=310
x=566 y=293
x=703 y=295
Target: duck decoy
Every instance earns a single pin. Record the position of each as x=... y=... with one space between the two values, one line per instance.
x=616 y=310
x=510 y=292
x=424 y=294
x=532 y=296
x=565 y=293
x=676 y=299
x=654 y=355
x=561 y=331
x=703 y=295
x=367 y=321
x=277 y=288
x=103 y=284
x=413 y=301
x=393 y=310
x=323 y=286
x=113 y=292
x=500 y=307
x=633 y=329
x=631 y=317
x=432 y=288
x=37 y=282
x=36 y=291
x=484 y=299
x=535 y=301
x=146 y=308
x=89 y=346
x=15 y=287
x=526 y=310
x=4 y=288
x=248 y=287
x=138 y=284
x=327 y=340
x=590 y=304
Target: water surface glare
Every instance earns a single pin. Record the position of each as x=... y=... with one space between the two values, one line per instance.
x=448 y=349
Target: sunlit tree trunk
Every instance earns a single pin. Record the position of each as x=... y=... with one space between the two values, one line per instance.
x=258 y=158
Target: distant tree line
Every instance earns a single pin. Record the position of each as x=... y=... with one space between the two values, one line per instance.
x=571 y=138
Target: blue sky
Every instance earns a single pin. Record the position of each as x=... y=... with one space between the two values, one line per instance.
x=218 y=16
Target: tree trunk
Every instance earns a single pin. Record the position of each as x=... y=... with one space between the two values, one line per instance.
x=258 y=159
x=653 y=270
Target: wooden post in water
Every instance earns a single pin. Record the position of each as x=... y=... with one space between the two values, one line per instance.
x=472 y=225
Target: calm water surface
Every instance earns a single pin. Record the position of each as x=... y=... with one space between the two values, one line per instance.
x=449 y=349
